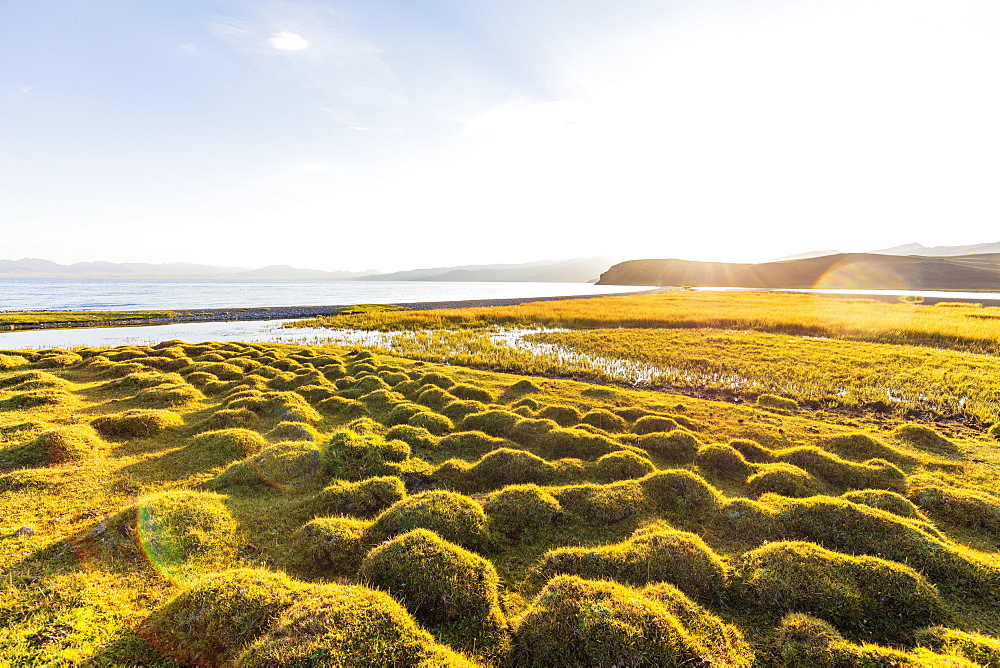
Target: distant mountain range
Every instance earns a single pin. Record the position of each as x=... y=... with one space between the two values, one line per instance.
x=871 y=271
x=909 y=249
x=579 y=270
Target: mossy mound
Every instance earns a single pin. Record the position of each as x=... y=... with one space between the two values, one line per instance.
x=35 y=399
x=524 y=387
x=648 y=424
x=221 y=370
x=361 y=499
x=623 y=465
x=892 y=502
x=58 y=445
x=59 y=360
x=455 y=517
x=840 y=525
x=681 y=491
x=471 y=393
x=775 y=403
x=965 y=507
x=230 y=418
x=802 y=640
x=336 y=625
x=326 y=547
x=924 y=438
x=34 y=380
x=975 y=647
x=167 y=395
x=604 y=419
x=784 y=479
x=519 y=510
x=12 y=362
x=603 y=504
x=471 y=444
x=722 y=461
x=677 y=447
x=225 y=445
x=287 y=407
x=436 y=424
x=496 y=422
x=564 y=416
x=579 y=443
x=353 y=455
x=438 y=379
x=458 y=410
x=342 y=408
x=403 y=411
x=533 y=431
x=869 y=597
x=141 y=380
x=656 y=554
x=434 y=397
x=210 y=623
x=844 y=474
x=181 y=534
x=576 y=622
x=291 y=467
x=498 y=468
x=417 y=438
x=861 y=447
x=137 y=423
x=293 y=431
x=752 y=451
x=441 y=583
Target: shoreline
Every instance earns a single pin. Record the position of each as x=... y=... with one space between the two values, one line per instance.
x=241 y=314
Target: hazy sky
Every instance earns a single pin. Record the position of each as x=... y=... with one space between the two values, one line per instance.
x=395 y=134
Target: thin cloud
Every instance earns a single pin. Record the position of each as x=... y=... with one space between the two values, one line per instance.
x=288 y=41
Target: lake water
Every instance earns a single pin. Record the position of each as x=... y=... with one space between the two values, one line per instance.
x=18 y=294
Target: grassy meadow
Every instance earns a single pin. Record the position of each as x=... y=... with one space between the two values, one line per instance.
x=280 y=505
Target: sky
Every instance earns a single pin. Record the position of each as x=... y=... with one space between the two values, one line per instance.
x=392 y=134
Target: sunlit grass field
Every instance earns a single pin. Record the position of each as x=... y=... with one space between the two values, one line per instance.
x=276 y=505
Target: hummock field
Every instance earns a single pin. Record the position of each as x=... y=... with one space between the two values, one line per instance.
x=234 y=504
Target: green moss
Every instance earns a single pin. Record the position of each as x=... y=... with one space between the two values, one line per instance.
x=456 y=411
x=603 y=504
x=455 y=517
x=847 y=527
x=325 y=548
x=656 y=554
x=623 y=465
x=180 y=534
x=575 y=622
x=441 y=583
x=360 y=499
x=403 y=411
x=471 y=393
x=519 y=510
x=681 y=491
x=291 y=467
x=225 y=445
x=343 y=409
x=604 y=419
x=802 y=640
x=924 y=438
x=965 y=507
x=776 y=403
x=417 y=437
x=861 y=447
x=975 y=647
x=58 y=360
x=568 y=442
x=58 y=445
x=286 y=407
x=293 y=431
x=677 y=446
x=722 y=461
x=316 y=393
x=785 y=480
x=210 y=623
x=654 y=423
x=12 y=361
x=500 y=467
x=436 y=424
x=438 y=379
x=752 y=451
x=524 y=387
x=869 y=597
x=533 y=431
x=872 y=474
x=496 y=422
x=892 y=502
x=137 y=423
x=230 y=418
x=167 y=395
x=564 y=416
x=471 y=444
x=35 y=399
x=356 y=455
x=347 y=626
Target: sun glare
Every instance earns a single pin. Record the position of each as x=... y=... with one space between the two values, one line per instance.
x=288 y=41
